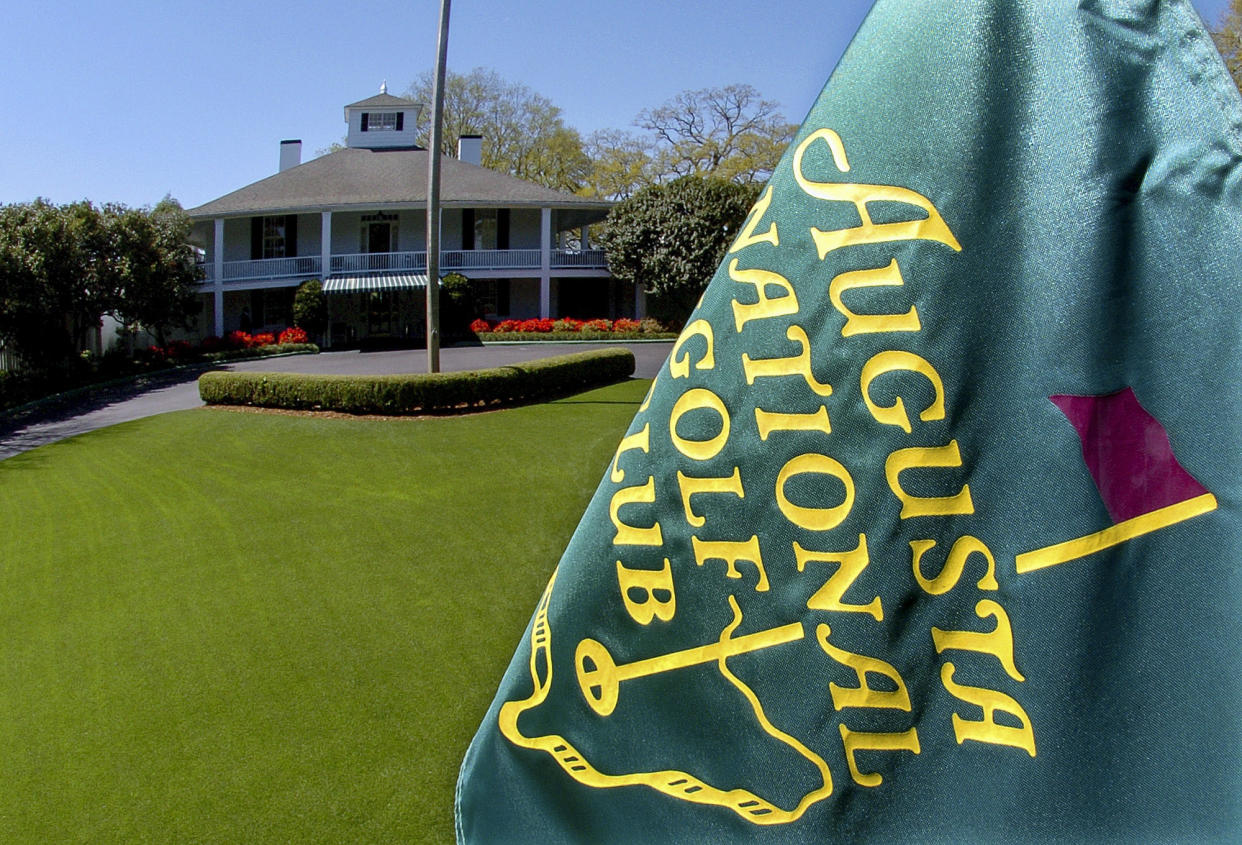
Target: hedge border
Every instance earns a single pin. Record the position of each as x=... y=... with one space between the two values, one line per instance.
x=421 y=393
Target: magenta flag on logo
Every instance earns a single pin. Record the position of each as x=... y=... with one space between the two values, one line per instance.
x=1128 y=454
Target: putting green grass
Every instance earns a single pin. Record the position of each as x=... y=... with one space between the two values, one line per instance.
x=235 y=627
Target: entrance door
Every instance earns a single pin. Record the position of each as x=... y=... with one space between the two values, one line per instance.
x=379 y=237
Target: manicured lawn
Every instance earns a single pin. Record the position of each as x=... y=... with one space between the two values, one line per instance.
x=233 y=627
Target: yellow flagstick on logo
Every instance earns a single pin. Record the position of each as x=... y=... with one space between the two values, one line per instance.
x=1114 y=535
x=1130 y=458
x=671 y=782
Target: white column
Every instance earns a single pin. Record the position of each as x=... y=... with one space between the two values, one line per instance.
x=217 y=285
x=325 y=245
x=585 y=239
x=325 y=258
x=545 y=262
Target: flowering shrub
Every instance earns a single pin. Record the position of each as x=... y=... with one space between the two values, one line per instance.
x=294 y=334
x=211 y=343
x=179 y=349
x=237 y=340
x=569 y=324
x=266 y=339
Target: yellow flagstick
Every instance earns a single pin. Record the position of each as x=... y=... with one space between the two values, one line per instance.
x=1114 y=535
x=600 y=676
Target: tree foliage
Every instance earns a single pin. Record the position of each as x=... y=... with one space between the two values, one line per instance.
x=621 y=163
x=729 y=132
x=63 y=267
x=156 y=275
x=671 y=237
x=523 y=132
x=1228 y=37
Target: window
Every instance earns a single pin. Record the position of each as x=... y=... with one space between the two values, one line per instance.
x=274 y=237
x=491 y=296
x=379 y=233
x=485 y=228
x=384 y=121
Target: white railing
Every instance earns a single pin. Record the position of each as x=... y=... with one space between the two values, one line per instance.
x=379 y=262
x=272 y=268
x=591 y=258
x=489 y=259
x=390 y=262
x=10 y=362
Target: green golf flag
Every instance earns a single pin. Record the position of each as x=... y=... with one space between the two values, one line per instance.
x=929 y=527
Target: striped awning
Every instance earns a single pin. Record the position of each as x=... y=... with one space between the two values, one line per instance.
x=353 y=282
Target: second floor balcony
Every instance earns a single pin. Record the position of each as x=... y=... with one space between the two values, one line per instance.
x=492 y=261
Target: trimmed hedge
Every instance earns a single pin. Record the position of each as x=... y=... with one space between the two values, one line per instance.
x=547 y=378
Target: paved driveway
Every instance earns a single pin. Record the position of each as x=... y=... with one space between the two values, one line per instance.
x=179 y=391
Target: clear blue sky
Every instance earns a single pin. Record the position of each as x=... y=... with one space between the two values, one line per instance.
x=130 y=100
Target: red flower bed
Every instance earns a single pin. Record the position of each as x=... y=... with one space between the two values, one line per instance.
x=537 y=325
x=566 y=324
x=295 y=334
x=266 y=339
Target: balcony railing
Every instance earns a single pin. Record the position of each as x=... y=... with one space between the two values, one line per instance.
x=579 y=258
x=489 y=259
x=464 y=260
x=379 y=262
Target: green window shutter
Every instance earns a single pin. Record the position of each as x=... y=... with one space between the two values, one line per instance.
x=502 y=229
x=256 y=238
x=291 y=235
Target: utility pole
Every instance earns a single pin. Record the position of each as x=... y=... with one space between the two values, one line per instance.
x=433 y=195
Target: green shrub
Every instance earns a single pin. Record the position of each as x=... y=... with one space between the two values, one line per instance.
x=456 y=305
x=310 y=307
x=543 y=379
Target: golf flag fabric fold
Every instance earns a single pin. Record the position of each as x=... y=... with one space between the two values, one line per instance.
x=928 y=529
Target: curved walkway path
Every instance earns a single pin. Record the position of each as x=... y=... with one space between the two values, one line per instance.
x=178 y=391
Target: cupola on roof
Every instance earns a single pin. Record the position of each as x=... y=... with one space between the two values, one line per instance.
x=382 y=122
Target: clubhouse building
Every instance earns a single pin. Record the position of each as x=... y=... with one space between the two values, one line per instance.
x=356 y=219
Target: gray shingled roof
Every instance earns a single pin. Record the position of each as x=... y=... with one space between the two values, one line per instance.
x=362 y=178
x=384 y=100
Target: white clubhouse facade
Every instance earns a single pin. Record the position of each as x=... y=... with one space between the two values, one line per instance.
x=356 y=220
